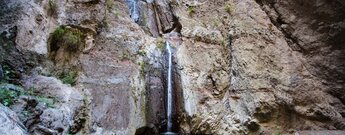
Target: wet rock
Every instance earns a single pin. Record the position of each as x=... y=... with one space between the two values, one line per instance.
x=155 y=101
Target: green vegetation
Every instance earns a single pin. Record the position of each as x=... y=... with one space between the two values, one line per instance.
x=223 y=42
x=105 y=23
x=110 y=4
x=160 y=43
x=52 y=7
x=216 y=23
x=9 y=73
x=67 y=75
x=69 y=38
x=30 y=91
x=228 y=8
x=69 y=78
x=58 y=33
x=125 y=56
x=10 y=92
x=24 y=113
x=278 y=131
x=117 y=14
x=141 y=53
x=142 y=68
x=190 y=10
x=47 y=101
x=7 y=97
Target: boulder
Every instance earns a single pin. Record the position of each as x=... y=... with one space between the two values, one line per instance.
x=10 y=123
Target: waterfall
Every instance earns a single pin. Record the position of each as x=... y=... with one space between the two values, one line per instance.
x=170 y=89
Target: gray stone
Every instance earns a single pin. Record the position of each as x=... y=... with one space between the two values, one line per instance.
x=10 y=123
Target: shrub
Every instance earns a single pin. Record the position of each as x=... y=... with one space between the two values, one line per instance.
x=9 y=73
x=125 y=56
x=55 y=38
x=142 y=68
x=7 y=97
x=69 y=77
x=72 y=40
x=10 y=92
x=228 y=8
x=110 y=4
x=160 y=44
x=63 y=37
x=141 y=53
x=190 y=10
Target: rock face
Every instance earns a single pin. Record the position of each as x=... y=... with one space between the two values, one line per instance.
x=241 y=66
x=10 y=123
x=58 y=118
x=272 y=85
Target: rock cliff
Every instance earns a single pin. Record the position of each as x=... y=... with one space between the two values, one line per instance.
x=240 y=66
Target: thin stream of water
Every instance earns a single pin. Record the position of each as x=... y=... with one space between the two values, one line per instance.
x=170 y=90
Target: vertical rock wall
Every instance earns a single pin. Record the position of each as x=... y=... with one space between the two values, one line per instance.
x=242 y=66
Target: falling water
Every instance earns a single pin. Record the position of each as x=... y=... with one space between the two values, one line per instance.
x=170 y=90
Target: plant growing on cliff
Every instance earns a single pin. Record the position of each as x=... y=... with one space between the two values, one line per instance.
x=228 y=8
x=73 y=39
x=141 y=53
x=279 y=132
x=223 y=42
x=9 y=73
x=47 y=101
x=190 y=10
x=160 y=44
x=69 y=77
x=142 y=68
x=7 y=97
x=67 y=38
x=52 y=8
x=216 y=22
x=126 y=56
x=109 y=4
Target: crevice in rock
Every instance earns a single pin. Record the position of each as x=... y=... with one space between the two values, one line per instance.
x=81 y=118
x=155 y=112
x=231 y=61
x=155 y=17
x=278 y=22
